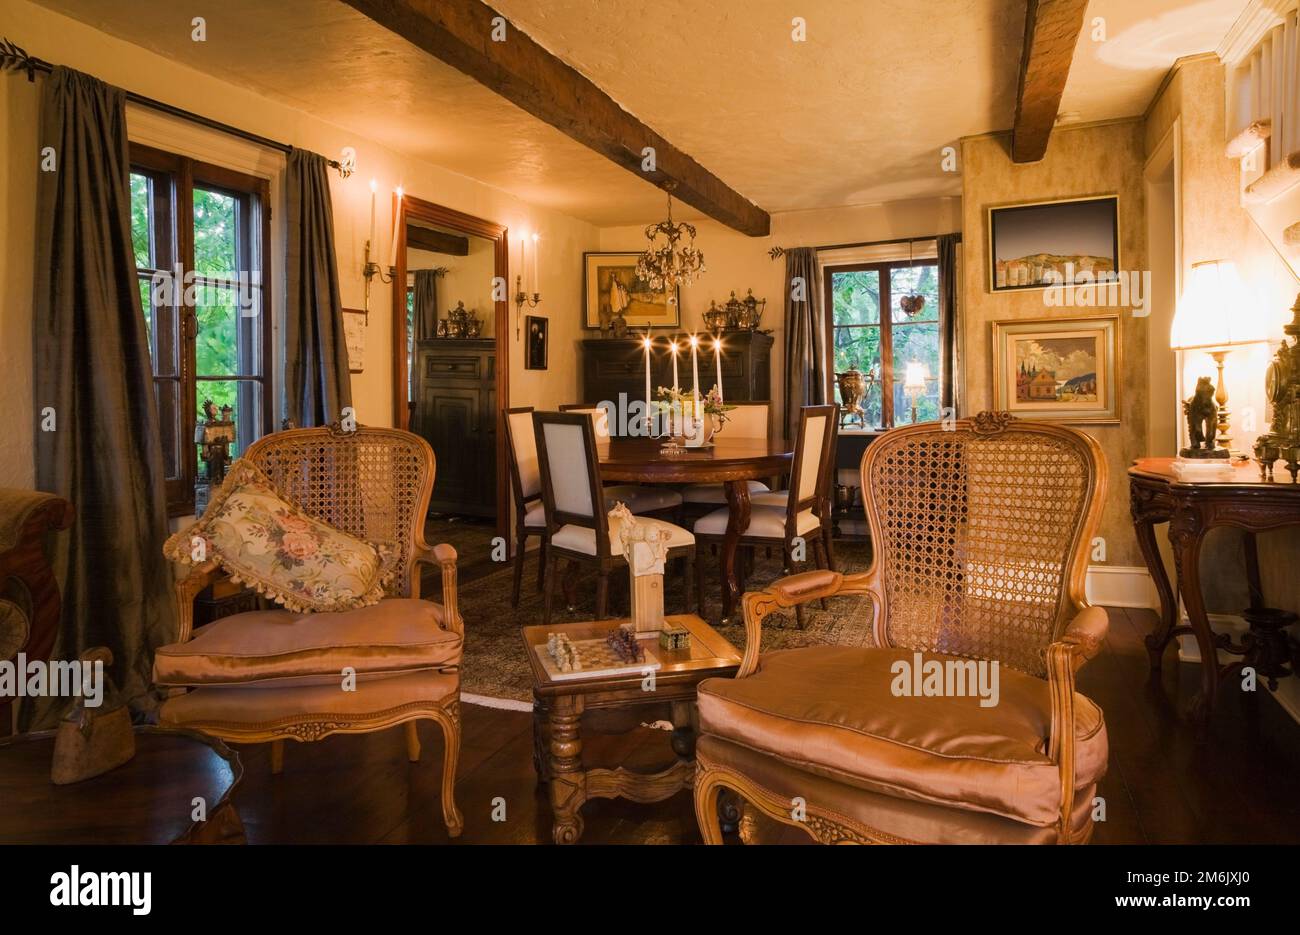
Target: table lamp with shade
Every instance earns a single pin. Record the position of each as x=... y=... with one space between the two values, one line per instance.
x=914 y=381
x=1215 y=315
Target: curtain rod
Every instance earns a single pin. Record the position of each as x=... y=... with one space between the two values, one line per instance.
x=777 y=252
x=14 y=58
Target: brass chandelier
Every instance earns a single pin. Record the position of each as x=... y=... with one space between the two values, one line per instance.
x=665 y=265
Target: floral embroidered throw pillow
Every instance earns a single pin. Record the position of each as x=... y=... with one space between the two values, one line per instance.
x=262 y=540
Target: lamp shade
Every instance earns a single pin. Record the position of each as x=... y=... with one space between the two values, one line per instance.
x=1216 y=310
x=915 y=377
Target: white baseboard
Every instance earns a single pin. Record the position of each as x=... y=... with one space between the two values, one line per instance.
x=1121 y=586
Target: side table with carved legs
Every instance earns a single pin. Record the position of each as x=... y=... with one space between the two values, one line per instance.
x=559 y=706
x=1191 y=509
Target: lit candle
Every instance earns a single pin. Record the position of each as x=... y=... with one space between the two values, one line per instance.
x=695 y=367
x=717 y=358
x=374 y=187
x=672 y=405
x=536 y=266
x=649 y=402
x=397 y=217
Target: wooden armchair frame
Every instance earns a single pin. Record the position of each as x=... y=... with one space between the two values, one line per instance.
x=276 y=455
x=1077 y=641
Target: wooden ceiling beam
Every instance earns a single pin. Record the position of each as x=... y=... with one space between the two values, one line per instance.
x=1052 y=30
x=421 y=238
x=460 y=33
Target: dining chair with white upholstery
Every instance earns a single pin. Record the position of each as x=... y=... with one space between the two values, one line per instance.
x=579 y=527
x=638 y=498
x=526 y=481
x=751 y=420
x=803 y=514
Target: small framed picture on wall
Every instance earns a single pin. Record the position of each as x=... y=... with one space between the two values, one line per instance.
x=537 y=348
x=1053 y=243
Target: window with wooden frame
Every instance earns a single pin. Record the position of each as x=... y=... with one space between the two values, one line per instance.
x=862 y=337
x=201 y=235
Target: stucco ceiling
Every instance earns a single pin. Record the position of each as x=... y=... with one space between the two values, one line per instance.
x=857 y=113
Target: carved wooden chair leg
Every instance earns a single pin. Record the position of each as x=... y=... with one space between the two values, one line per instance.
x=413 y=741
x=791 y=567
x=687 y=561
x=708 y=788
x=819 y=551
x=449 y=719
x=699 y=582
x=277 y=757
x=521 y=540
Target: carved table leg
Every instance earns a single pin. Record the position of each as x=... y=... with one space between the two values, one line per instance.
x=683 y=739
x=1185 y=535
x=541 y=759
x=1144 y=525
x=737 y=522
x=568 y=782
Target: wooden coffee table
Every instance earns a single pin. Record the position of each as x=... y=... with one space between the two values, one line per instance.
x=558 y=706
x=147 y=800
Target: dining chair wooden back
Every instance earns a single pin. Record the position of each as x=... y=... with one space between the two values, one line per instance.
x=749 y=420
x=571 y=487
x=526 y=481
x=810 y=470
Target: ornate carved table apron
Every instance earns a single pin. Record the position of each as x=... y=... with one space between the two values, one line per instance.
x=1156 y=495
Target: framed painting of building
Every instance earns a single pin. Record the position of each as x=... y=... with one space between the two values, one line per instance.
x=1058 y=369
x=1053 y=243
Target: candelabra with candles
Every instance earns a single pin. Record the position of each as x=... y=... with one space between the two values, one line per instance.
x=370 y=269
x=521 y=297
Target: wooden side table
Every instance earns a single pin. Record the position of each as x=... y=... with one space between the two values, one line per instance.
x=1156 y=495
x=558 y=707
x=147 y=800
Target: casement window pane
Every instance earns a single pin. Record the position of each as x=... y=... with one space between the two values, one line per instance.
x=245 y=397
x=141 y=219
x=216 y=233
x=229 y=338
x=920 y=280
x=855 y=297
x=916 y=342
x=161 y=319
x=860 y=348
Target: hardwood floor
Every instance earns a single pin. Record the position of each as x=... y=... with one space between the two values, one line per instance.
x=1243 y=786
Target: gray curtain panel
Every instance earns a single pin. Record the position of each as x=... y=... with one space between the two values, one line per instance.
x=426 y=304
x=93 y=378
x=805 y=337
x=949 y=245
x=316 y=381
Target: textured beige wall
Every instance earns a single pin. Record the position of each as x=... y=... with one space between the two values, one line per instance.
x=1086 y=160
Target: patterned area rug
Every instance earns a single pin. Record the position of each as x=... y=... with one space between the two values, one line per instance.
x=495 y=666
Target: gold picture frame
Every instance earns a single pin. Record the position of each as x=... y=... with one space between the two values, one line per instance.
x=1058 y=369
x=642 y=307
x=1051 y=232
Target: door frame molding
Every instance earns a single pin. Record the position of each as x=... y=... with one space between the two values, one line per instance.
x=408 y=207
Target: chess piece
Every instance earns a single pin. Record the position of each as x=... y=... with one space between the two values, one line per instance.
x=93 y=740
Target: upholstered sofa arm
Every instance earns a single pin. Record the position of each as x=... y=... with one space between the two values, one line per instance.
x=444 y=556
x=788 y=592
x=1082 y=641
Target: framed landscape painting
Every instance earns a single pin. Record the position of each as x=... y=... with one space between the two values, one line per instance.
x=1051 y=243
x=610 y=283
x=1058 y=369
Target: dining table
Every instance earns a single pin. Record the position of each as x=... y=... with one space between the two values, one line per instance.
x=732 y=462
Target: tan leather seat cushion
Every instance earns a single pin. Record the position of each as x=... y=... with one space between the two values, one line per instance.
x=766 y=522
x=395 y=635
x=254 y=706
x=583 y=538
x=830 y=710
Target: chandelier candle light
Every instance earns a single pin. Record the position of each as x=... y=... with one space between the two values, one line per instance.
x=666 y=266
x=717 y=359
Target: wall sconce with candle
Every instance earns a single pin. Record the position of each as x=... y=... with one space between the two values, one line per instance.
x=371 y=269
x=521 y=297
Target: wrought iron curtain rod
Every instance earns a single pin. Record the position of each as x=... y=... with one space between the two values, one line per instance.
x=14 y=58
x=777 y=252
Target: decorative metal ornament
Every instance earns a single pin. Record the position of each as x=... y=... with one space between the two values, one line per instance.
x=669 y=263
x=913 y=302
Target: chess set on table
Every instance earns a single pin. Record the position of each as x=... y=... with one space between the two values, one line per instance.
x=566 y=659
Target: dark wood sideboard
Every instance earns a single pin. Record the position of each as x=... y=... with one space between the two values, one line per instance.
x=617 y=365
x=455 y=412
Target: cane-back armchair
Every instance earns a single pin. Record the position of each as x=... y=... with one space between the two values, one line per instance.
x=272 y=675
x=981 y=534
